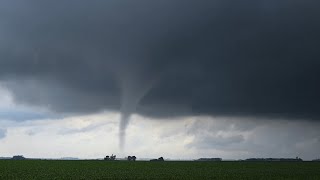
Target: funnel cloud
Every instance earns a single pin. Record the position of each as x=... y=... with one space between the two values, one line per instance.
x=163 y=59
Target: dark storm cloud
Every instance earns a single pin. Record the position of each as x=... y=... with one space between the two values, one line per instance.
x=249 y=57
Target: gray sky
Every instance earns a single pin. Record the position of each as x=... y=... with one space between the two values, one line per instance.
x=246 y=65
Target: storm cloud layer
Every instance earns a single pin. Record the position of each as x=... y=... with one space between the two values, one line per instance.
x=164 y=58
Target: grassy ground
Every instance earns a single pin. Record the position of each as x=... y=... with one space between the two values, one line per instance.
x=44 y=169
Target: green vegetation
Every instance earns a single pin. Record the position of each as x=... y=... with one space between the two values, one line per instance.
x=49 y=169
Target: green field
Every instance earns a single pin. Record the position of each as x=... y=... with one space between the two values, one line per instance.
x=49 y=169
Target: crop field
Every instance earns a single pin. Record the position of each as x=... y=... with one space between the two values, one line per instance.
x=52 y=169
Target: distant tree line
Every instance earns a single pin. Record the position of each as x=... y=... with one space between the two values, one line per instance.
x=274 y=159
x=209 y=159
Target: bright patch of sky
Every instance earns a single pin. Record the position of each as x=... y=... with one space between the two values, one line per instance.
x=96 y=135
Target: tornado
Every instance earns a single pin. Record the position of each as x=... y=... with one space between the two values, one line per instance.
x=129 y=104
x=134 y=88
x=124 y=121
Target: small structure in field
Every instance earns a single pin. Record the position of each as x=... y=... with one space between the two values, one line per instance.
x=110 y=158
x=18 y=157
x=159 y=159
x=132 y=158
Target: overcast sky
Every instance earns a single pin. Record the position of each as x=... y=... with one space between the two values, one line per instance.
x=173 y=78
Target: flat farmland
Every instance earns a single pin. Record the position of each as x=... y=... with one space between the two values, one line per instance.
x=94 y=169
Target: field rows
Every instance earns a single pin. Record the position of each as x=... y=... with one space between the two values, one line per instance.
x=49 y=169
